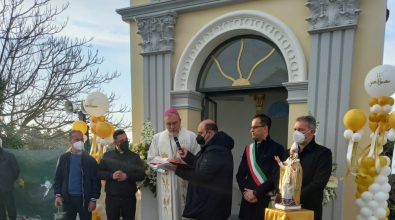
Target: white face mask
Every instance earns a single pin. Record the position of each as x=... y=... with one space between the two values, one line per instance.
x=78 y=145
x=298 y=137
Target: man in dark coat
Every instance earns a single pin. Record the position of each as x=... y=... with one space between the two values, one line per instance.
x=76 y=185
x=316 y=161
x=209 y=194
x=121 y=169
x=258 y=175
x=9 y=172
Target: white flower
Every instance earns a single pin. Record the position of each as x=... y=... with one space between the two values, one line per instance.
x=333 y=182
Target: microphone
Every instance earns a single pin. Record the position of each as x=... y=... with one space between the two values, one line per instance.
x=177 y=143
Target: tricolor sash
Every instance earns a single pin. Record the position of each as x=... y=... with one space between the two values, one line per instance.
x=257 y=174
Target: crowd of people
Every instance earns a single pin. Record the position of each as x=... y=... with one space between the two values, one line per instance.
x=199 y=183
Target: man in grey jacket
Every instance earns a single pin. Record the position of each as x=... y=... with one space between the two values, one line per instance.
x=9 y=172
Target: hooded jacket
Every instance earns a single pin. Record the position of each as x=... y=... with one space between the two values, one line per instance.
x=9 y=171
x=210 y=180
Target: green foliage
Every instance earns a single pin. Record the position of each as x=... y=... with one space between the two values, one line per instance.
x=142 y=149
x=10 y=136
x=330 y=188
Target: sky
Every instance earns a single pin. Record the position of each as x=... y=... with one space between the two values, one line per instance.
x=98 y=19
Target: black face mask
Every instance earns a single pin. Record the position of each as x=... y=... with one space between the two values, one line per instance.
x=124 y=146
x=200 y=139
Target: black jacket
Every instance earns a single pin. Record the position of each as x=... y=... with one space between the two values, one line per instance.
x=316 y=162
x=9 y=171
x=265 y=159
x=90 y=183
x=209 y=194
x=129 y=163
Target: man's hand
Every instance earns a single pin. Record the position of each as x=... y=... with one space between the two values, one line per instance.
x=58 y=201
x=249 y=196
x=122 y=176
x=182 y=152
x=116 y=175
x=91 y=206
x=175 y=160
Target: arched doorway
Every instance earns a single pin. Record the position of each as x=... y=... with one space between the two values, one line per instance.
x=232 y=85
x=241 y=77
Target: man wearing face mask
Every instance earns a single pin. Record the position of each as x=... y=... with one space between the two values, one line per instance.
x=171 y=190
x=316 y=161
x=76 y=185
x=258 y=173
x=210 y=180
x=9 y=172
x=121 y=169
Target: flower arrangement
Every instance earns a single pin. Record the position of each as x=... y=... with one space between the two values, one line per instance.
x=142 y=149
x=330 y=188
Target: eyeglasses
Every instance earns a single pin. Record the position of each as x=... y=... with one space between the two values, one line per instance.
x=255 y=127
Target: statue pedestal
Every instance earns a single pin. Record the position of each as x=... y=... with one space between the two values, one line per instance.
x=302 y=214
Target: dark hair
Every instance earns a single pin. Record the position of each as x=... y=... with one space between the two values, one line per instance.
x=309 y=119
x=265 y=120
x=117 y=133
x=211 y=126
x=74 y=131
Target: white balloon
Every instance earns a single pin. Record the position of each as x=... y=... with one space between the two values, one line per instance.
x=385 y=171
x=373 y=204
x=376 y=108
x=372 y=218
x=366 y=212
x=386 y=187
x=383 y=204
x=348 y=134
x=379 y=213
x=391 y=135
x=386 y=108
x=96 y=104
x=374 y=188
x=367 y=196
x=360 y=203
x=381 y=179
x=359 y=217
x=380 y=81
x=380 y=197
x=356 y=137
x=106 y=141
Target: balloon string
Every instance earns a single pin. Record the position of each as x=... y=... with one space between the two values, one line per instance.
x=393 y=161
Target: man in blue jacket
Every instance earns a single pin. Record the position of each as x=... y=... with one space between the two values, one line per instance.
x=76 y=184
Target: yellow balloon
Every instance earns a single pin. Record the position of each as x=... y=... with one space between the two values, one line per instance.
x=373 y=126
x=367 y=162
x=362 y=188
x=384 y=161
x=391 y=120
x=390 y=100
x=103 y=129
x=354 y=119
x=382 y=100
x=373 y=101
x=80 y=126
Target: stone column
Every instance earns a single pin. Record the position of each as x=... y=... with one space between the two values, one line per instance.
x=332 y=30
x=157 y=32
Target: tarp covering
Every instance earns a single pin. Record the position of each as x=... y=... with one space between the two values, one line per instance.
x=36 y=167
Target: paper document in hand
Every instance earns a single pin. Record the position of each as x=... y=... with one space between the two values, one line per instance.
x=164 y=166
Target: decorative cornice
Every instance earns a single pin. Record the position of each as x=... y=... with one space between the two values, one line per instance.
x=186 y=100
x=157 y=32
x=327 y=15
x=297 y=91
x=128 y=14
x=234 y=24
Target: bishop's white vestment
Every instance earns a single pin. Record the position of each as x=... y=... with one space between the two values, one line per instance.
x=171 y=190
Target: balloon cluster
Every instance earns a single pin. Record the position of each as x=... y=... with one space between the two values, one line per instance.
x=371 y=170
x=96 y=105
